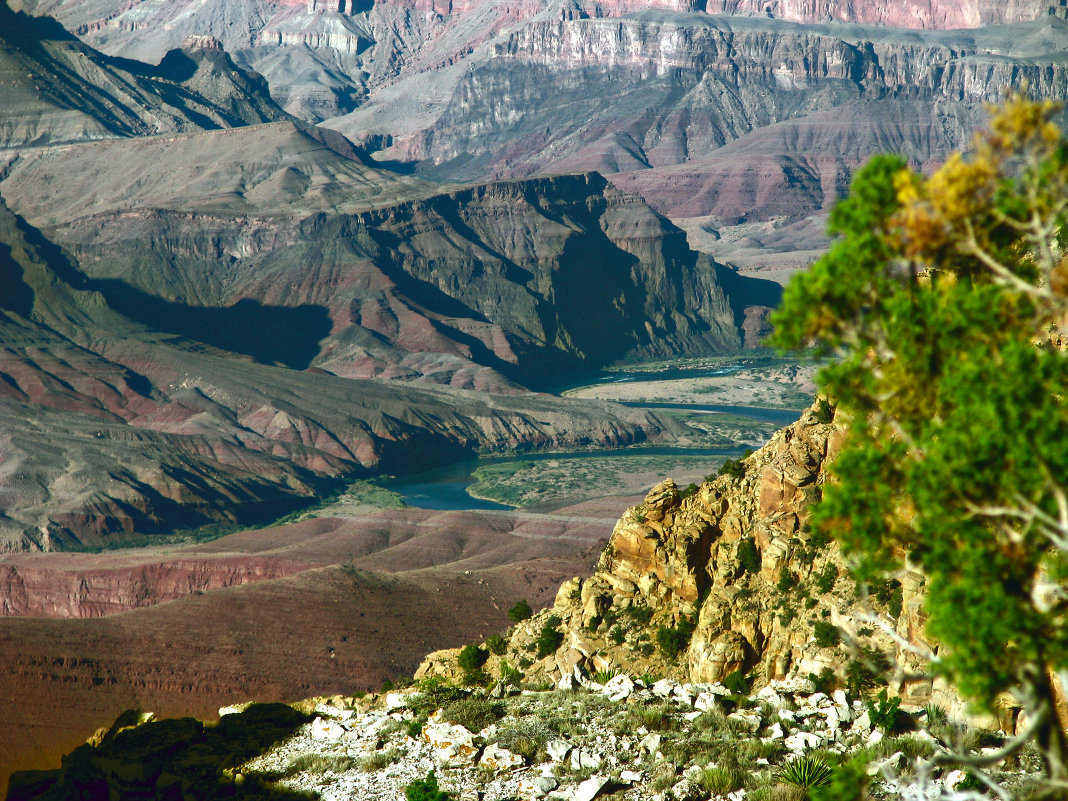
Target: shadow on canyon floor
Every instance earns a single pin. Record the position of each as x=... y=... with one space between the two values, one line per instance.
x=287 y=335
x=174 y=758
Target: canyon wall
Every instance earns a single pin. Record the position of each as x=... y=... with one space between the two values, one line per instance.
x=926 y=14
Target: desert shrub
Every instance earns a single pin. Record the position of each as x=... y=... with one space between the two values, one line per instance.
x=549 y=638
x=526 y=736
x=414 y=727
x=654 y=718
x=866 y=672
x=825 y=682
x=433 y=694
x=639 y=614
x=883 y=711
x=824 y=412
x=318 y=764
x=825 y=580
x=720 y=780
x=805 y=772
x=771 y=750
x=737 y=682
x=914 y=747
x=474 y=713
x=595 y=623
x=847 y=782
x=936 y=715
x=509 y=674
x=889 y=593
x=520 y=612
x=673 y=640
x=748 y=555
x=827 y=634
x=786 y=582
x=496 y=644
x=616 y=635
x=689 y=491
x=472 y=658
x=426 y=790
x=733 y=468
x=378 y=760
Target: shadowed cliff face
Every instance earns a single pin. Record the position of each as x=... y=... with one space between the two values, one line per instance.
x=112 y=429
x=483 y=288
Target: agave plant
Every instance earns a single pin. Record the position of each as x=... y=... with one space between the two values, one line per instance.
x=605 y=676
x=805 y=772
x=936 y=715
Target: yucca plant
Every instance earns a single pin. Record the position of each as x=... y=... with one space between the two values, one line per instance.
x=805 y=772
x=936 y=715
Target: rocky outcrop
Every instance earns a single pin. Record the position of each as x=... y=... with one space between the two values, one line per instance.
x=727 y=578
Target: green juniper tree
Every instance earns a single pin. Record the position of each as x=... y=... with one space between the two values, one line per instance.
x=944 y=299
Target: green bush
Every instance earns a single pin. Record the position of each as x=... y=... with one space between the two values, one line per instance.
x=748 y=555
x=733 y=468
x=689 y=491
x=825 y=580
x=474 y=713
x=936 y=715
x=786 y=582
x=433 y=694
x=861 y=676
x=824 y=411
x=675 y=640
x=472 y=658
x=720 y=780
x=426 y=790
x=889 y=593
x=617 y=635
x=825 y=682
x=414 y=727
x=827 y=634
x=497 y=644
x=847 y=782
x=639 y=614
x=737 y=682
x=883 y=712
x=520 y=612
x=549 y=638
x=375 y=761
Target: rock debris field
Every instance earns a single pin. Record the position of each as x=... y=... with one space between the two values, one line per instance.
x=624 y=739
